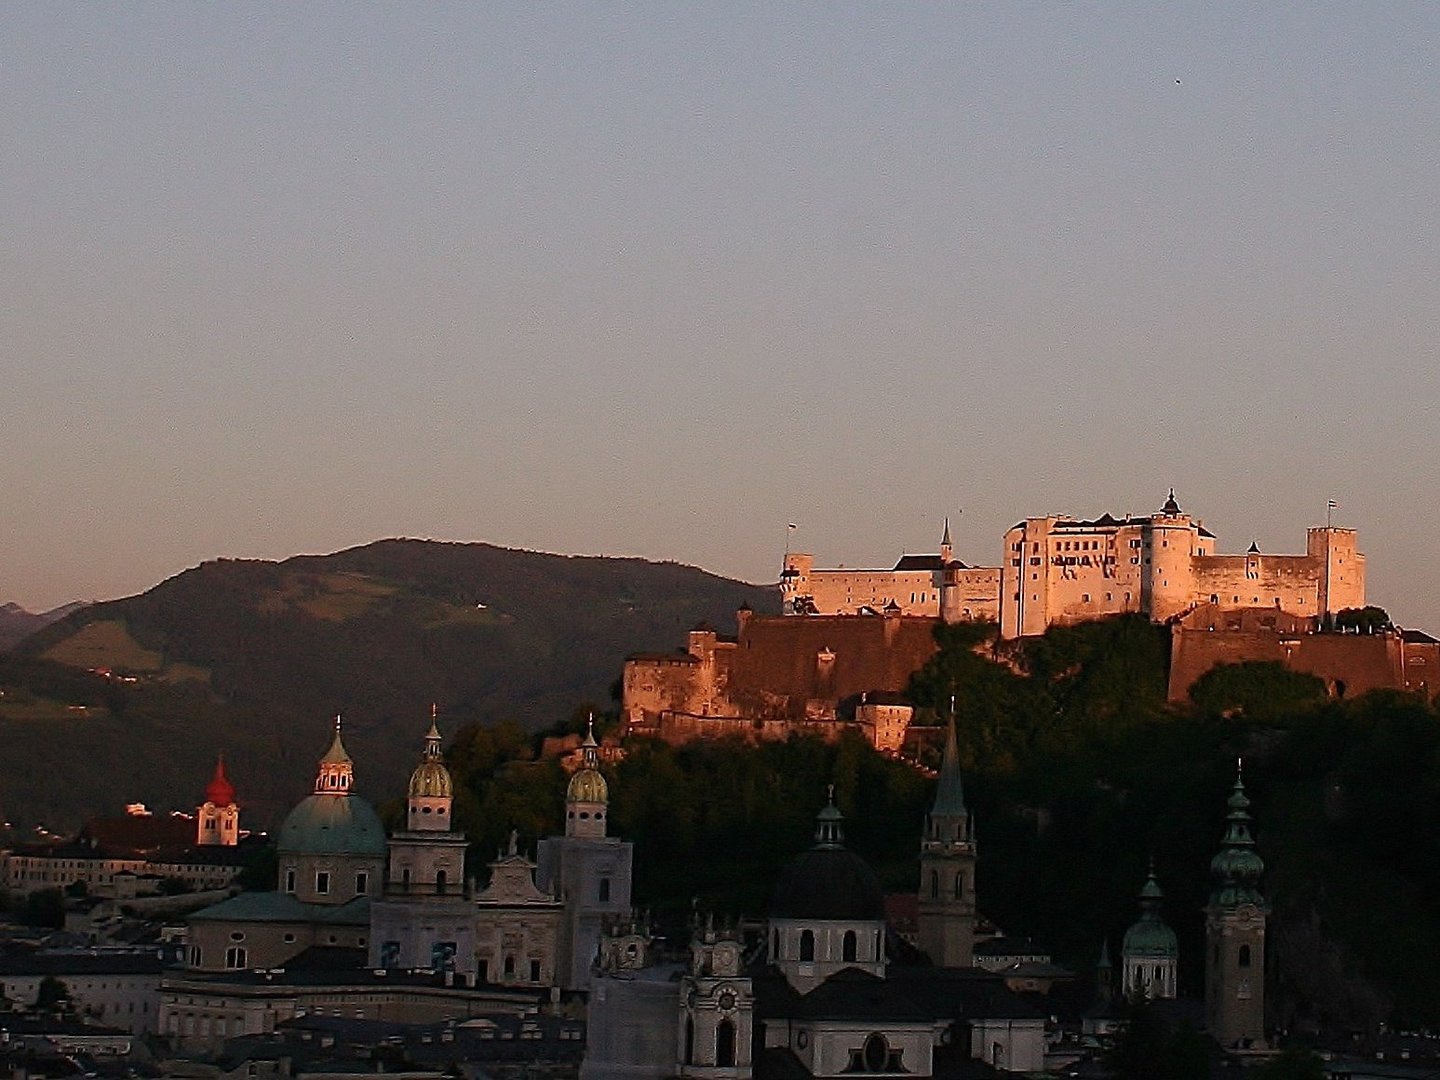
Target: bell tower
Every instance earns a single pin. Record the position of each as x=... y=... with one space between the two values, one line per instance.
x=218 y=818
x=947 y=868
x=1235 y=933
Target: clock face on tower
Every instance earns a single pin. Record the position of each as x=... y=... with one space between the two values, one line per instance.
x=727 y=999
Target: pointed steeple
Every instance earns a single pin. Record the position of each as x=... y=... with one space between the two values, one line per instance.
x=1171 y=507
x=950 y=791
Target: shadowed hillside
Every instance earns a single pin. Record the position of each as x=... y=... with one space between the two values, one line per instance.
x=253 y=657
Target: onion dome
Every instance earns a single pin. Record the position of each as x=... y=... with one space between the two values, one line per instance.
x=431 y=779
x=1151 y=937
x=829 y=882
x=587 y=785
x=1171 y=507
x=220 y=792
x=1237 y=868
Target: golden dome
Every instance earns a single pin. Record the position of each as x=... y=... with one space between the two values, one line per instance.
x=431 y=780
x=587 y=786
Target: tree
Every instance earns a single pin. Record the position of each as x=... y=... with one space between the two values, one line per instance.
x=1256 y=690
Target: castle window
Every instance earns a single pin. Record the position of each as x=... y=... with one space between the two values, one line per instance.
x=847 y=947
x=322 y=881
x=1244 y=958
x=604 y=889
x=807 y=945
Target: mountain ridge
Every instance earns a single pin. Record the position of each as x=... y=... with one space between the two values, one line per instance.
x=253 y=657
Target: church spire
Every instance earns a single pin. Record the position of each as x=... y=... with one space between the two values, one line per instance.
x=950 y=791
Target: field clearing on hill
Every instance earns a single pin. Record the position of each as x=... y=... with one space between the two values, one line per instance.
x=108 y=644
x=335 y=597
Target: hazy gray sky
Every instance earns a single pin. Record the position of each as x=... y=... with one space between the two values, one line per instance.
x=655 y=280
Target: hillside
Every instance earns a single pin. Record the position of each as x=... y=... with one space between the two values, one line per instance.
x=16 y=624
x=253 y=657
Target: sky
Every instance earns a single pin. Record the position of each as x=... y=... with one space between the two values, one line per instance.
x=657 y=280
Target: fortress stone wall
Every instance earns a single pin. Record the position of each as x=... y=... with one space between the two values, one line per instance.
x=1350 y=664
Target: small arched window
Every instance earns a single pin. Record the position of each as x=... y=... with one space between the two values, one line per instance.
x=1244 y=959
x=725 y=1044
x=934 y=885
x=440 y=881
x=604 y=889
x=847 y=947
x=875 y=1054
x=807 y=945
x=960 y=885
x=689 y=1040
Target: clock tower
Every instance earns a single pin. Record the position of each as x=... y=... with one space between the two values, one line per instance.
x=1235 y=934
x=947 y=869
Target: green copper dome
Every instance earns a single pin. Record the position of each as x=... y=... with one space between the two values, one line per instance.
x=1151 y=937
x=332 y=825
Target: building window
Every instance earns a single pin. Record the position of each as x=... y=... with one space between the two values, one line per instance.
x=535 y=971
x=362 y=882
x=235 y=957
x=1244 y=959
x=960 y=885
x=322 y=882
x=439 y=881
x=604 y=889
x=847 y=947
x=725 y=1045
x=509 y=967
x=807 y=945
x=290 y=881
x=689 y=1040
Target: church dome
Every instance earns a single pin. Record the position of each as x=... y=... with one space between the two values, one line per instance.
x=587 y=785
x=332 y=825
x=828 y=882
x=1151 y=937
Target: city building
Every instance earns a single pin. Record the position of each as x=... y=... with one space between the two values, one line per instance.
x=135 y=853
x=331 y=856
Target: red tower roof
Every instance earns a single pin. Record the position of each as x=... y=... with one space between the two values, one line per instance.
x=220 y=791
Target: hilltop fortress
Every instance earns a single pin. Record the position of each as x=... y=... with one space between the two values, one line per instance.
x=842 y=654
x=1059 y=569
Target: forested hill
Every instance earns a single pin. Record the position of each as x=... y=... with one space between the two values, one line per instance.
x=254 y=657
